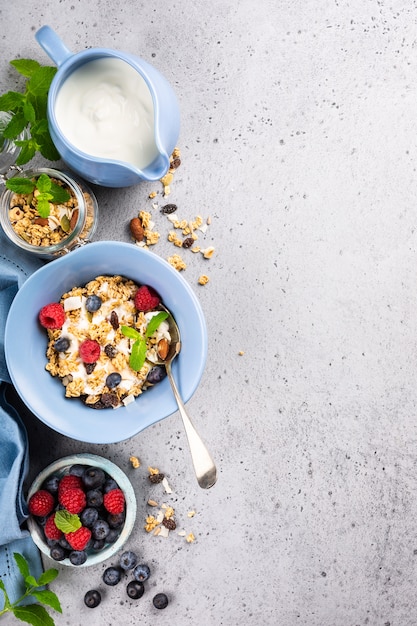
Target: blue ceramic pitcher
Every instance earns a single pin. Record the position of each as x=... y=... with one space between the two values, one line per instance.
x=111 y=172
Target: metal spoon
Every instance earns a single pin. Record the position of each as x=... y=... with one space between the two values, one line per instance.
x=204 y=467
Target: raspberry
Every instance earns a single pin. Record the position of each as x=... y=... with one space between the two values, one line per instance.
x=74 y=500
x=79 y=539
x=41 y=503
x=146 y=298
x=89 y=351
x=69 y=482
x=51 y=531
x=52 y=315
x=114 y=501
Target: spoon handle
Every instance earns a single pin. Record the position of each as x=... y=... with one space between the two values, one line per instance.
x=204 y=466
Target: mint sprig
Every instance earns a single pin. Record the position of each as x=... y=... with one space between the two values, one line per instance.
x=48 y=191
x=34 y=614
x=29 y=110
x=139 y=348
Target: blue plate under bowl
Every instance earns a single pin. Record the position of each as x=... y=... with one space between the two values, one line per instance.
x=26 y=342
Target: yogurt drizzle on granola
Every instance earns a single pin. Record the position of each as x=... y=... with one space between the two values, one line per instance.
x=103 y=326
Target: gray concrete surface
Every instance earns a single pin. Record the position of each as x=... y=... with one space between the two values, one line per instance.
x=298 y=138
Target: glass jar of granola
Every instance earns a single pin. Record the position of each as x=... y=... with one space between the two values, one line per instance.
x=47 y=212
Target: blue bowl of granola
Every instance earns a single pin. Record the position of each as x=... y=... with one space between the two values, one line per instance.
x=73 y=332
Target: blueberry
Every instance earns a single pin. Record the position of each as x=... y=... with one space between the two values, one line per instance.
x=64 y=543
x=92 y=598
x=141 y=572
x=135 y=589
x=113 y=535
x=93 y=477
x=78 y=557
x=100 y=529
x=112 y=576
x=51 y=484
x=128 y=560
x=93 y=303
x=113 y=380
x=98 y=544
x=109 y=484
x=61 y=344
x=76 y=470
x=88 y=516
x=94 y=498
x=58 y=553
x=116 y=520
x=156 y=374
x=160 y=601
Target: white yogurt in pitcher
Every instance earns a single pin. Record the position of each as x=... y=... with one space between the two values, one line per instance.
x=105 y=109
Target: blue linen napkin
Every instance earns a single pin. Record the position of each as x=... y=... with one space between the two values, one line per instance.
x=15 y=267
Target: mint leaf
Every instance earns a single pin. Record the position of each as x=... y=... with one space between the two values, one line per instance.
x=22 y=564
x=31 y=581
x=20 y=185
x=130 y=332
x=11 y=101
x=33 y=614
x=49 y=598
x=28 y=149
x=59 y=194
x=67 y=522
x=42 y=206
x=26 y=67
x=16 y=125
x=43 y=183
x=40 y=104
x=155 y=322
x=41 y=79
x=47 y=576
x=29 y=112
x=47 y=149
x=138 y=354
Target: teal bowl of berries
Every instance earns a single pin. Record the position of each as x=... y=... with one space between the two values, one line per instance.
x=97 y=324
x=82 y=509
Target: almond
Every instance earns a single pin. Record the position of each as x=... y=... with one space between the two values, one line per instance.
x=136 y=229
x=74 y=219
x=163 y=348
x=41 y=221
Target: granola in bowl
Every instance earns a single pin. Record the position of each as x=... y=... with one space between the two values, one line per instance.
x=104 y=340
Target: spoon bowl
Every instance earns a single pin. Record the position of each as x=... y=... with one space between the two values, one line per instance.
x=204 y=467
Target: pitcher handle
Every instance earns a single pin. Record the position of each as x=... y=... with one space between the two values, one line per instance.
x=53 y=45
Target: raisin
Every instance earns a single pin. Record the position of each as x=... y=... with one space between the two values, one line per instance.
x=114 y=320
x=109 y=399
x=89 y=367
x=156 y=478
x=187 y=243
x=169 y=208
x=169 y=523
x=110 y=351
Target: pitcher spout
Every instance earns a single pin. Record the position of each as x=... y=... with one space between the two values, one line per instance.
x=158 y=168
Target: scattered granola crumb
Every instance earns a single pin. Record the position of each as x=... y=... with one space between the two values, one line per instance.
x=169 y=512
x=151 y=523
x=134 y=461
x=153 y=470
x=166 y=486
x=241 y=353
x=152 y=503
x=177 y=262
x=152 y=194
x=203 y=280
x=190 y=513
x=157 y=531
x=208 y=221
x=182 y=533
x=208 y=252
x=190 y=538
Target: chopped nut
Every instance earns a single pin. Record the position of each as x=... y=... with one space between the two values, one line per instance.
x=208 y=252
x=157 y=531
x=152 y=503
x=208 y=221
x=166 y=486
x=203 y=280
x=134 y=461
